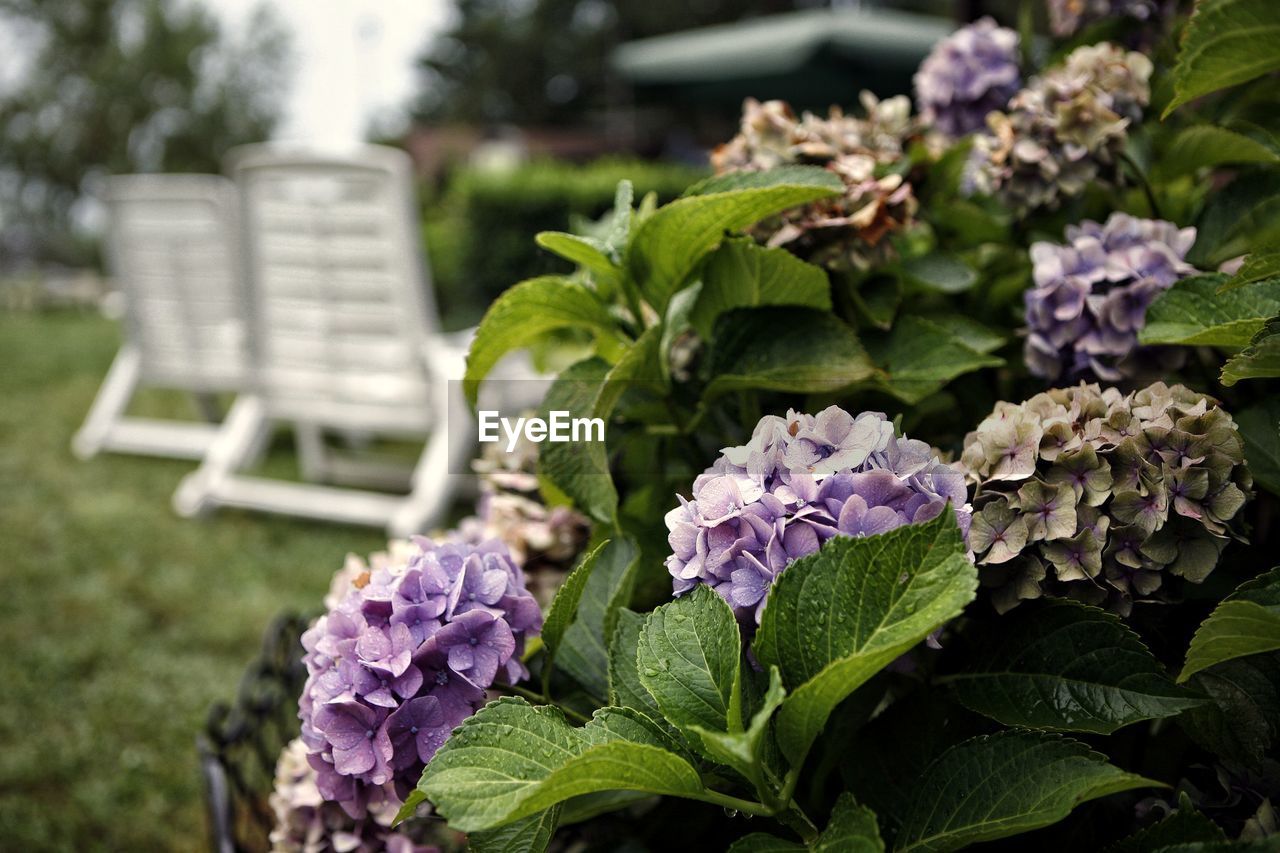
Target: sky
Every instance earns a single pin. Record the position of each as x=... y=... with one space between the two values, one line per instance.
x=353 y=60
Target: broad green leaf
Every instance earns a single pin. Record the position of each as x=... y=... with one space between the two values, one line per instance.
x=976 y=336
x=1247 y=622
x=1258 y=266
x=669 y=244
x=919 y=356
x=620 y=227
x=743 y=274
x=564 y=607
x=688 y=658
x=528 y=835
x=1226 y=42
x=526 y=312
x=852 y=829
x=625 y=688
x=994 y=786
x=511 y=760
x=1241 y=722
x=1259 y=360
x=1068 y=667
x=741 y=750
x=584 y=651
x=837 y=617
x=1182 y=826
x=638 y=367
x=1192 y=312
x=1206 y=145
x=580 y=470
x=877 y=299
x=586 y=252
x=1260 y=428
x=1239 y=218
x=941 y=272
x=799 y=350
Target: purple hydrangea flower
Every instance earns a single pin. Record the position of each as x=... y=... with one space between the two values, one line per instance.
x=800 y=481
x=968 y=74
x=1091 y=294
x=403 y=656
x=1067 y=17
x=307 y=822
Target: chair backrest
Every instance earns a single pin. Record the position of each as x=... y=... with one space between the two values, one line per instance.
x=339 y=295
x=172 y=248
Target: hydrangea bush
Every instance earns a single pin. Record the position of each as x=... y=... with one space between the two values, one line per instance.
x=746 y=632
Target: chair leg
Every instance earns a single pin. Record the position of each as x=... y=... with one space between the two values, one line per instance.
x=241 y=440
x=112 y=400
x=439 y=469
x=313 y=455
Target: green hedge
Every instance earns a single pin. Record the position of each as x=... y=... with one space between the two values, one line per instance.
x=479 y=234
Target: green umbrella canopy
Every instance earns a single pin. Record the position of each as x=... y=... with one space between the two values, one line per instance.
x=811 y=58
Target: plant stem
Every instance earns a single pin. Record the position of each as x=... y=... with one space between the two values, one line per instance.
x=736 y=804
x=798 y=822
x=1143 y=182
x=540 y=698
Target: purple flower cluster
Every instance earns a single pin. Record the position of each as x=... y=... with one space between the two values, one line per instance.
x=403 y=657
x=1091 y=294
x=968 y=74
x=308 y=823
x=1067 y=17
x=800 y=481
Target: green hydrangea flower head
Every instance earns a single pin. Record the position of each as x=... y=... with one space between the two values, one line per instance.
x=1101 y=496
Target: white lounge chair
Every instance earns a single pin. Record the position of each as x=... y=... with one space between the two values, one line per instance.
x=171 y=247
x=343 y=337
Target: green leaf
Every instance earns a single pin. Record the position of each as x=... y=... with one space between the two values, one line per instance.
x=994 y=786
x=564 y=607
x=1247 y=622
x=798 y=350
x=511 y=760
x=1226 y=42
x=1259 y=360
x=668 y=245
x=1260 y=428
x=688 y=658
x=591 y=255
x=1239 y=218
x=1193 y=313
x=940 y=272
x=1241 y=723
x=584 y=653
x=1258 y=266
x=620 y=228
x=852 y=829
x=526 y=312
x=920 y=355
x=528 y=835
x=639 y=367
x=1205 y=145
x=625 y=688
x=742 y=750
x=743 y=274
x=580 y=470
x=1069 y=667
x=838 y=616
x=976 y=336
x=1184 y=825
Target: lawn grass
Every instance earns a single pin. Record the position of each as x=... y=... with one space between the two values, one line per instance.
x=119 y=622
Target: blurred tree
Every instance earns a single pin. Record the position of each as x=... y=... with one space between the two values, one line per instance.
x=542 y=61
x=118 y=86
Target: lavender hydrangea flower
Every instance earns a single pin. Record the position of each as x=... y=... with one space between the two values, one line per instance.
x=968 y=74
x=1066 y=17
x=1091 y=294
x=308 y=823
x=798 y=482
x=403 y=655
